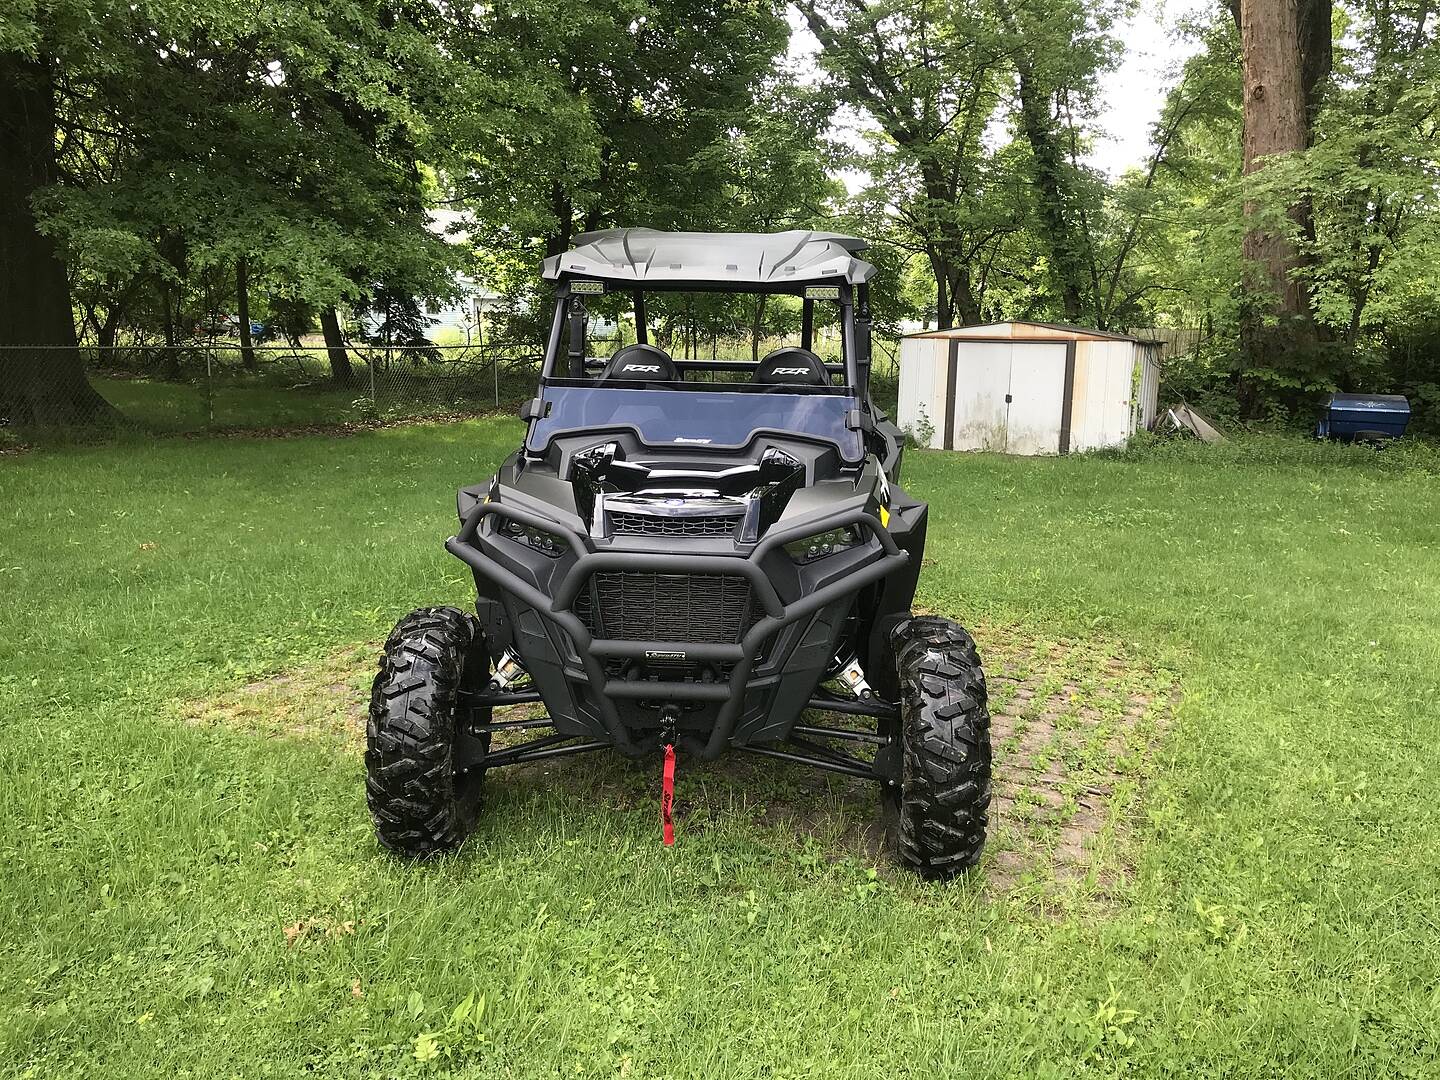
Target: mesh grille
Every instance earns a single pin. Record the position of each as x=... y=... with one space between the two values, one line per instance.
x=708 y=608
x=648 y=525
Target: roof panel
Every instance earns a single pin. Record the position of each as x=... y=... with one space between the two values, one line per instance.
x=1030 y=330
x=652 y=257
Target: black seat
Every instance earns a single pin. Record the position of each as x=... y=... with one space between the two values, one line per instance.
x=793 y=366
x=640 y=363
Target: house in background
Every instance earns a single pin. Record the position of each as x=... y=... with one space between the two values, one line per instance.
x=470 y=317
x=467 y=318
x=1027 y=387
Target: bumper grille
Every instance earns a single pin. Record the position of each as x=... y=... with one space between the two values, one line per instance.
x=713 y=609
x=648 y=525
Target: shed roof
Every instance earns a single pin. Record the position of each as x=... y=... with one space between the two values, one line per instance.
x=648 y=256
x=1029 y=330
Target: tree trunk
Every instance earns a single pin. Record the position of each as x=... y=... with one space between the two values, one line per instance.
x=941 y=271
x=1052 y=189
x=242 y=303
x=558 y=242
x=340 y=370
x=1051 y=173
x=171 y=368
x=105 y=339
x=758 y=327
x=38 y=387
x=1276 y=327
x=965 y=300
x=1316 y=48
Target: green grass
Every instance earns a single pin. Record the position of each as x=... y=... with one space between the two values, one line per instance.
x=1281 y=917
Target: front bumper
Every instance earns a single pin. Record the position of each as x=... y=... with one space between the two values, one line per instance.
x=606 y=693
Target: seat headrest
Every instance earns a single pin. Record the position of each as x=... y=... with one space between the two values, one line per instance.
x=641 y=363
x=792 y=365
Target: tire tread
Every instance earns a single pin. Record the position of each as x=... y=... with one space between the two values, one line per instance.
x=418 y=804
x=944 y=797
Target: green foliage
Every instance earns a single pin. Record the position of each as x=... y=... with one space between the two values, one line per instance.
x=1006 y=228
x=661 y=114
x=1369 y=182
x=1372 y=180
x=287 y=134
x=929 y=80
x=640 y=100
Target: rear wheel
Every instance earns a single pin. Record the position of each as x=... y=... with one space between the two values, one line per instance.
x=941 y=808
x=423 y=766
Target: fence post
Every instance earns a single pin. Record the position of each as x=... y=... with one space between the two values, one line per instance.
x=210 y=386
x=374 y=397
x=495 y=364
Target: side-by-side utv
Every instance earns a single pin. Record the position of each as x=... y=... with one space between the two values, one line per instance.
x=689 y=557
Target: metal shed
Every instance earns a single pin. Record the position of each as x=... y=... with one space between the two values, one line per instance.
x=1027 y=387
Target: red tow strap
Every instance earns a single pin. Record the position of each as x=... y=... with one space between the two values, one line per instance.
x=667 y=796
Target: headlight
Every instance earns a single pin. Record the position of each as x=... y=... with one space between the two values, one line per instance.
x=542 y=541
x=822 y=544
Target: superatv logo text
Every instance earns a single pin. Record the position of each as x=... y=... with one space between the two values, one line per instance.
x=642 y=367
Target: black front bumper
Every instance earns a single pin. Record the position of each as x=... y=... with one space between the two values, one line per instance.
x=574 y=670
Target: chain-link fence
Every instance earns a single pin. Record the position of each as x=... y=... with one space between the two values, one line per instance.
x=79 y=392
x=220 y=386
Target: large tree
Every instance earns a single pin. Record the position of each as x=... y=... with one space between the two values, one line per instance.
x=1286 y=55
x=1059 y=48
x=192 y=146
x=638 y=99
x=1369 y=184
x=41 y=377
x=930 y=77
x=938 y=82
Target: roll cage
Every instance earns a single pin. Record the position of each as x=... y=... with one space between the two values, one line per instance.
x=840 y=411
x=565 y=353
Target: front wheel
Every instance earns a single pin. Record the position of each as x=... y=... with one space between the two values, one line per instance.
x=423 y=765
x=943 y=802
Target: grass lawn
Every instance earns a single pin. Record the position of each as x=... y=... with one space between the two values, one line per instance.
x=269 y=402
x=205 y=899
x=156 y=405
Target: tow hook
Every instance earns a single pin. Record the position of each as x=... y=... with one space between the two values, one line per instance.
x=667 y=777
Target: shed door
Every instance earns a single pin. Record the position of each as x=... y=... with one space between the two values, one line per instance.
x=1008 y=396
x=982 y=380
x=1037 y=390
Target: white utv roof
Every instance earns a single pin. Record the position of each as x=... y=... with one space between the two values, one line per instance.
x=650 y=257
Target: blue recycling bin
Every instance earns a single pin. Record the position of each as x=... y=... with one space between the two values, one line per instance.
x=1364 y=417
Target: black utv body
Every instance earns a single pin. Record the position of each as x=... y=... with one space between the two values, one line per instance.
x=693 y=554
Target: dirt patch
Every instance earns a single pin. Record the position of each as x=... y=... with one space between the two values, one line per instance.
x=326 y=699
x=1073 y=722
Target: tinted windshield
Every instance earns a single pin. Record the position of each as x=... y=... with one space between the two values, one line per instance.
x=696 y=415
